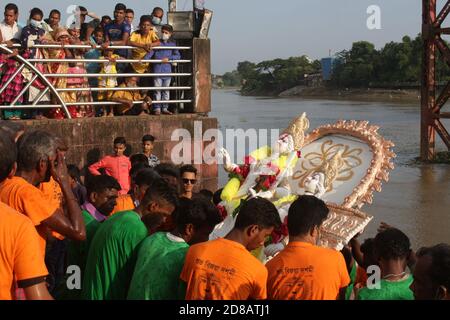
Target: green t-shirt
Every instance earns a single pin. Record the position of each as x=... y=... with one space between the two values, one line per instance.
x=112 y=257
x=77 y=252
x=158 y=268
x=389 y=290
x=351 y=285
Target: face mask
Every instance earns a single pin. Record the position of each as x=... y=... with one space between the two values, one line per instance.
x=165 y=36
x=35 y=23
x=156 y=20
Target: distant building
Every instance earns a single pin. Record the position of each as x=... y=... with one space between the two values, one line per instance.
x=327 y=68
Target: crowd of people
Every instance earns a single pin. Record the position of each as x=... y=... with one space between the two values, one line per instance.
x=135 y=228
x=99 y=34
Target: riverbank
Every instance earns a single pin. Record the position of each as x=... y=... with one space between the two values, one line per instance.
x=364 y=95
x=379 y=95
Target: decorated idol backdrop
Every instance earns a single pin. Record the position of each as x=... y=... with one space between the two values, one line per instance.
x=341 y=163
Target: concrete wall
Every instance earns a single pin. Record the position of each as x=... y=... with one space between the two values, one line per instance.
x=91 y=138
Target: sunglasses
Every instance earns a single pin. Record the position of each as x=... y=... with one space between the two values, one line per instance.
x=191 y=181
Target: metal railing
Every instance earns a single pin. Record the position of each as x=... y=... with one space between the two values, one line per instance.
x=57 y=100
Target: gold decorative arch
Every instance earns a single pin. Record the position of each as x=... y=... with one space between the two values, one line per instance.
x=380 y=165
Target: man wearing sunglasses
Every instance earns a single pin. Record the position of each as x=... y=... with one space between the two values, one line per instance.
x=188 y=175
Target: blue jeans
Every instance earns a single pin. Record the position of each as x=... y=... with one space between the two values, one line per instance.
x=162 y=95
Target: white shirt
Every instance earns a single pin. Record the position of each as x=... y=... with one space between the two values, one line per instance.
x=9 y=33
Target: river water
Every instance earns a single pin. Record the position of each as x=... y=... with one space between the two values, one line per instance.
x=417 y=197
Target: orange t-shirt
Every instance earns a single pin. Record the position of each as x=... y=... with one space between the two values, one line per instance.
x=30 y=201
x=53 y=192
x=223 y=270
x=124 y=203
x=303 y=271
x=20 y=257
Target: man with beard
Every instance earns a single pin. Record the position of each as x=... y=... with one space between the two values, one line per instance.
x=38 y=160
x=113 y=251
x=102 y=193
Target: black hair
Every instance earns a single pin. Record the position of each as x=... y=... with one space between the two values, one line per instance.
x=158 y=190
x=145 y=18
x=120 y=140
x=188 y=168
x=82 y=9
x=392 y=244
x=168 y=169
x=55 y=11
x=198 y=212
x=156 y=9
x=12 y=6
x=217 y=197
x=306 y=213
x=138 y=158
x=136 y=168
x=36 y=11
x=120 y=7
x=101 y=183
x=260 y=212
x=106 y=18
x=99 y=29
x=367 y=247
x=208 y=195
x=440 y=263
x=167 y=27
x=145 y=177
x=148 y=137
x=74 y=172
x=129 y=11
x=9 y=154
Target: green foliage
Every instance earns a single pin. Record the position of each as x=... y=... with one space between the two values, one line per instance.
x=232 y=79
x=274 y=76
x=397 y=63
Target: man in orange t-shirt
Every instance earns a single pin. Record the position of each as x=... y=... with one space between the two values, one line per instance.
x=20 y=258
x=38 y=160
x=304 y=271
x=224 y=269
x=51 y=188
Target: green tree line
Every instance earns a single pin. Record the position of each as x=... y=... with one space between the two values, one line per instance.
x=362 y=66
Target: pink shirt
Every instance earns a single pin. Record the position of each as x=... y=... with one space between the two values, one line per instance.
x=74 y=81
x=116 y=167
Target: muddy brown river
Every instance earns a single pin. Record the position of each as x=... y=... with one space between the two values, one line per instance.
x=417 y=197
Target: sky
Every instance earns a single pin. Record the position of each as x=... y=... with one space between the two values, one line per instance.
x=257 y=30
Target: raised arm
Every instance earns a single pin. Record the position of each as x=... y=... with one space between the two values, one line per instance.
x=94 y=168
x=356 y=251
x=71 y=226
